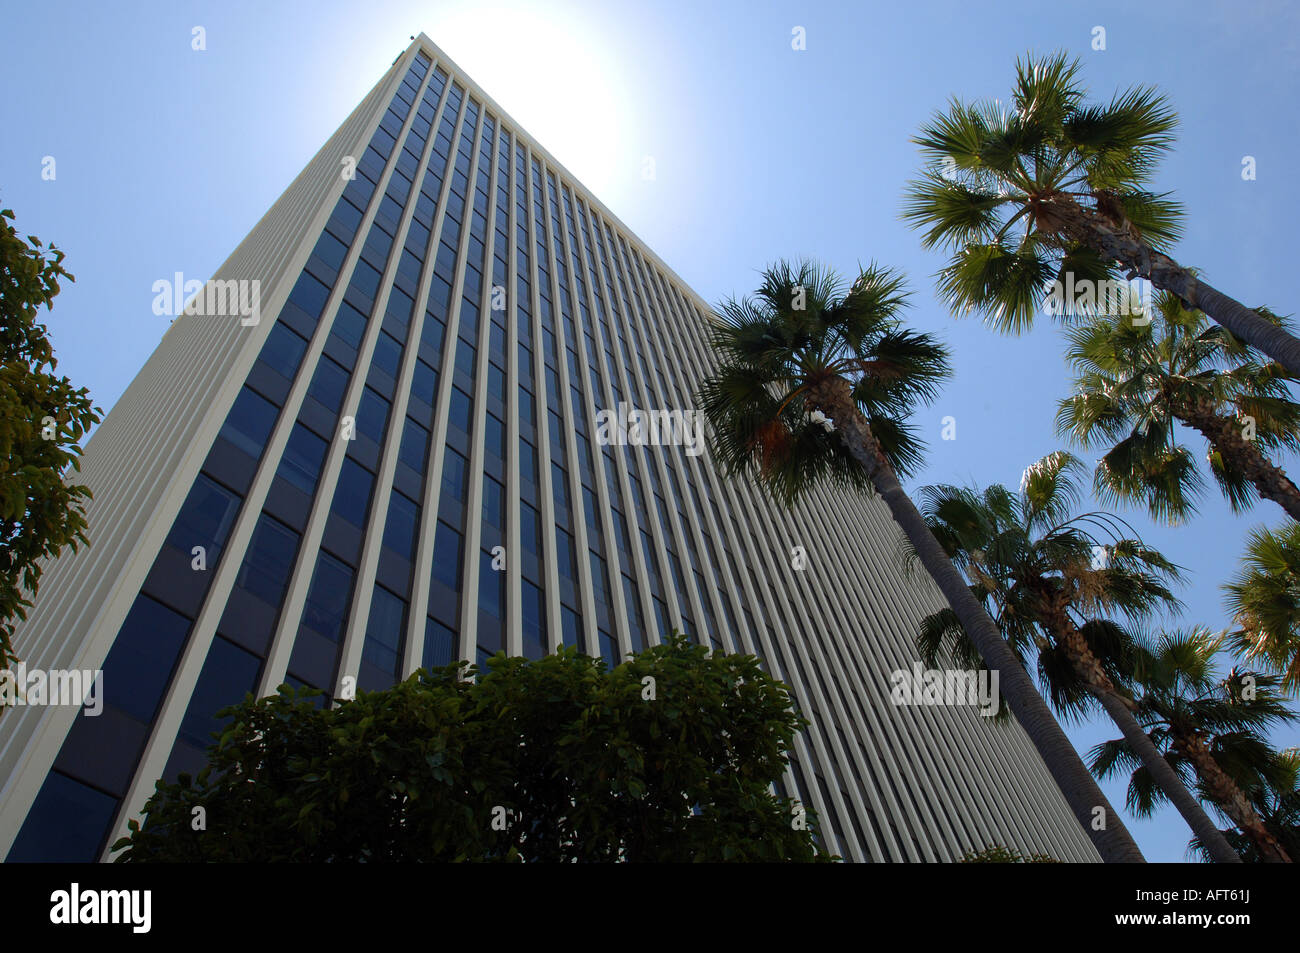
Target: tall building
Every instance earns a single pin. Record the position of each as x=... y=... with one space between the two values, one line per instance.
x=309 y=482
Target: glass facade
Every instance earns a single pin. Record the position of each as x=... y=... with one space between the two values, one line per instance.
x=431 y=384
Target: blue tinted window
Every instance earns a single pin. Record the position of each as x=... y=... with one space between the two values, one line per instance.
x=570 y=627
x=310 y=295
x=491 y=587
x=326 y=610
x=494 y=503
x=496 y=382
x=349 y=325
x=388 y=354
x=352 y=497
x=425 y=382
x=439 y=644
x=414 y=450
x=329 y=384
x=331 y=251
x=303 y=456
x=446 y=556
x=372 y=415
x=494 y=437
x=140 y=664
x=250 y=422
x=346 y=216
x=599 y=580
x=228 y=674
x=364 y=277
x=283 y=350
x=453 y=475
x=383 y=644
x=608 y=648
x=530 y=530
x=534 y=621
x=205 y=519
x=460 y=410
x=528 y=462
x=67 y=823
x=402 y=525
x=565 y=555
x=269 y=560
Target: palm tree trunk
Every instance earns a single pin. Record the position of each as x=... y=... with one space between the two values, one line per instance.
x=1080 y=789
x=1120 y=710
x=1229 y=796
x=1224 y=435
x=1120 y=242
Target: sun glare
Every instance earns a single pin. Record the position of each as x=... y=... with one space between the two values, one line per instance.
x=553 y=76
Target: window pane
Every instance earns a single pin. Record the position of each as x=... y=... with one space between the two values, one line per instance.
x=372 y=415
x=447 y=556
x=401 y=527
x=425 y=382
x=144 y=653
x=388 y=354
x=352 y=497
x=349 y=325
x=460 y=410
x=414 y=450
x=303 y=456
x=205 y=519
x=453 y=475
x=383 y=644
x=326 y=609
x=266 y=568
x=534 y=621
x=250 y=422
x=439 y=644
x=310 y=295
x=491 y=587
x=494 y=503
x=229 y=672
x=283 y=350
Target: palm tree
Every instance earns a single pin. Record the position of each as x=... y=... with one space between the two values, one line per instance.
x=1265 y=603
x=1213 y=729
x=1054 y=581
x=815 y=383
x=1277 y=802
x=1055 y=187
x=1134 y=382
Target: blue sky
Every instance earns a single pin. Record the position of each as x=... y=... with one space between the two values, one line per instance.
x=166 y=156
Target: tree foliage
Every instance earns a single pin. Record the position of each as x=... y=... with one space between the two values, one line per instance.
x=1265 y=601
x=42 y=421
x=802 y=327
x=667 y=757
x=1134 y=382
x=1042 y=567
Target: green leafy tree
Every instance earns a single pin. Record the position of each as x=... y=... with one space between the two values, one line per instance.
x=1056 y=581
x=1135 y=382
x=1265 y=602
x=815 y=383
x=1049 y=187
x=1276 y=799
x=668 y=757
x=42 y=421
x=1208 y=728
